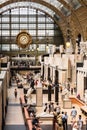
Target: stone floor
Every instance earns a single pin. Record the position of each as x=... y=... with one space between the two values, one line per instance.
x=14 y=117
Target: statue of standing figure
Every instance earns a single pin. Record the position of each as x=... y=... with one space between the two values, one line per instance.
x=29 y=96
x=65 y=93
x=86 y=97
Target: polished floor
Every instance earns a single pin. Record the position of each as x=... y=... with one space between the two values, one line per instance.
x=14 y=113
x=14 y=117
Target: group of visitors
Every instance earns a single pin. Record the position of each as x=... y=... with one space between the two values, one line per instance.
x=60 y=117
x=60 y=121
x=49 y=107
x=76 y=125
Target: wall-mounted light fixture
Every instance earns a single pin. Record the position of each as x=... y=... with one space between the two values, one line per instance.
x=67 y=44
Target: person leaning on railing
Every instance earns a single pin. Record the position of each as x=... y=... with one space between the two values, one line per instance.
x=36 y=123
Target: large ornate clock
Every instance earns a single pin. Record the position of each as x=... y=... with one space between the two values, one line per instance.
x=23 y=39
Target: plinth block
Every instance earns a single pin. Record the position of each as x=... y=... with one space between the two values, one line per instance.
x=67 y=104
x=39 y=97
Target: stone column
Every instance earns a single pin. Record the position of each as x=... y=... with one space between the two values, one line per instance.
x=42 y=70
x=49 y=92
x=57 y=93
x=48 y=76
x=85 y=83
x=56 y=85
x=80 y=84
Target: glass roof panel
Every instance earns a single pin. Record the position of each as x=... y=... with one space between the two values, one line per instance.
x=54 y=3
x=74 y=3
x=44 y=8
x=2 y=1
x=29 y=4
x=59 y=6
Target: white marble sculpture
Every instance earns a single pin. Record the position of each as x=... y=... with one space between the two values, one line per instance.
x=86 y=97
x=65 y=92
x=29 y=96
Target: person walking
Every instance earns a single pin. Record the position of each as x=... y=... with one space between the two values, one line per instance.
x=73 y=113
x=15 y=93
x=59 y=124
x=66 y=121
x=80 y=123
x=74 y=125
x=63 y=120
x=86 y=122
x=58 y=109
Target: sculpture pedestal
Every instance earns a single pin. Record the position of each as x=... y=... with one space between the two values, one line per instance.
x=39 y=97
x=67 y=104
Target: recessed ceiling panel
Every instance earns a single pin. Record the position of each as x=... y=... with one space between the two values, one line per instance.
x=74 y=3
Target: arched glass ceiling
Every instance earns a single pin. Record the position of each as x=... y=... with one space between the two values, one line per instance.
x=56 y=3
x=30 y=4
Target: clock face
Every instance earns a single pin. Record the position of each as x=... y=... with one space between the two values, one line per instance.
x=23 y=39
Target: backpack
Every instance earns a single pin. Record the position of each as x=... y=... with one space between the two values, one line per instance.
x=59 y=120
x=63 y=120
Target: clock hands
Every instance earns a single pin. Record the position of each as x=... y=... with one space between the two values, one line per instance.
x=23 y=39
